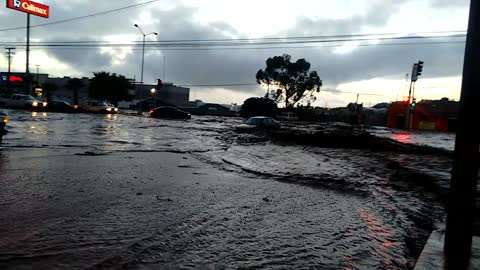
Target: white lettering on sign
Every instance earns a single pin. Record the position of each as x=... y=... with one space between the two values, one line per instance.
x=17 y=3
x=33 y=8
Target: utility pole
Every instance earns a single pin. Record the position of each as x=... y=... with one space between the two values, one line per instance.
x=463 y=186
x=163 y=77
x=27 y=67
x=9 y=54
x=37 y=75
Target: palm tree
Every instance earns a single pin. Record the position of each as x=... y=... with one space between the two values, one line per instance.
x=74 y=84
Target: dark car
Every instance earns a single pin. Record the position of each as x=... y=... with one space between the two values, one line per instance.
x=60 y=106
x=169 y=112
x=3 y=123
x=257 y=123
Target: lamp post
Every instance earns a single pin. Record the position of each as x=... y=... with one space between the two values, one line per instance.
x=38 y=66
x=143 y=52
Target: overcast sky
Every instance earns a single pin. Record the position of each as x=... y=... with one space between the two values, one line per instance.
x=378 y=69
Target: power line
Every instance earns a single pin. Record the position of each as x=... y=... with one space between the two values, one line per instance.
x=83 y=17
x=247 y=40
x=231 y=44
x=249 y=48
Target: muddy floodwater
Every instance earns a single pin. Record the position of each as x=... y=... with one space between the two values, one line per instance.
x=86 y=191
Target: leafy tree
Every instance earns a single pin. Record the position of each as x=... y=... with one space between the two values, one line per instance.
x=49 y=89
x=294 y=80
x=256 y=106
x=74 y=84
x=106 y=86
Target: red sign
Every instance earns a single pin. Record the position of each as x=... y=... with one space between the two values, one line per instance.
x=30 y=7
x=14 y=78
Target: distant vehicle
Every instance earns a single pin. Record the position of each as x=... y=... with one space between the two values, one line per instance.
x=115 y=109
x=100 y=107
x=258 y=123
x=22 y=101
x=169 y=112
x=4 y=119
x=60 y=106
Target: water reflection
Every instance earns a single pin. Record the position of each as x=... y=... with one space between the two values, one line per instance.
x=382 y=238
x=403 y=137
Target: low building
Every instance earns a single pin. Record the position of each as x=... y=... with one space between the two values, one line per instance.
x=170 y=93
x=17 y=80
x=435 y=115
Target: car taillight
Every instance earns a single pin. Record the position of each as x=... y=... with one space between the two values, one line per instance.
x=151 y=111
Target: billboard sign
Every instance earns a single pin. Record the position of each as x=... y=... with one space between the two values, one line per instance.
x=30 y=7
x=14 y=77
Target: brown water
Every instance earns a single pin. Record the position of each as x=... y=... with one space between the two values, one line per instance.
x=95 y=191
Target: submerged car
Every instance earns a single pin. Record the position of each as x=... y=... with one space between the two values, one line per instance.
x=100 y=107
x=3 y=123
x=258 y=123
x=169 y=112
x=60 y=106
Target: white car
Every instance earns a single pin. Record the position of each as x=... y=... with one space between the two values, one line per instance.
x=100 y=107
x=258 y=123
x=22 y=101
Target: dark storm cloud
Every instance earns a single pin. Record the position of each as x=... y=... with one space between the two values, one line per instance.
x=377 y=14
x=450 y=3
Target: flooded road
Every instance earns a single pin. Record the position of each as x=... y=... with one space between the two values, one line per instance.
x=86 y=191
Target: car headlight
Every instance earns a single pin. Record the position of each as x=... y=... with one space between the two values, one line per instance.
x=5 y=119
x=109 y=109
x=44 y=104
x=116 y=109
x=75 y=107
x=35 y=104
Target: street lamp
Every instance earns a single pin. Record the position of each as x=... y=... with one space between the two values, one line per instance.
x=143 y=50
x=153 y=90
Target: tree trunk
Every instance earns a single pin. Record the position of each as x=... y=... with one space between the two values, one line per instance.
x=286 y=97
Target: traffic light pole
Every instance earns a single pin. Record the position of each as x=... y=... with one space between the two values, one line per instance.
x=408 y=118
x=461 y=202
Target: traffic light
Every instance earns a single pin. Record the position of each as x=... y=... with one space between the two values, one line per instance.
x=414 y=103
x=419 y=68
x=159 y=84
